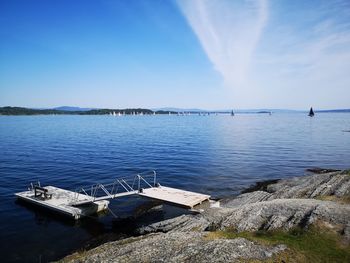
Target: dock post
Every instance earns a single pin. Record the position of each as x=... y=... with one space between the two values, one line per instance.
x=154 y=179
x=138 y=176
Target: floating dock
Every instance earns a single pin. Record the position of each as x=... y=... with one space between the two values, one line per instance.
x=91 y=200
x=61 y=200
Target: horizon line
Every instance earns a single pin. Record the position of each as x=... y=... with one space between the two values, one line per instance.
x=178 y=108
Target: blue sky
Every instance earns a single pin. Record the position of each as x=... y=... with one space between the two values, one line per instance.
x=199 y=53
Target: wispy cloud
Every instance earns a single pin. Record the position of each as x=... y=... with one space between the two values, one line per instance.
x=306 y=58
x=228 y=32
x=277 y=53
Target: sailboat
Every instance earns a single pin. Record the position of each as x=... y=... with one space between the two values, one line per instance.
x=311 y=112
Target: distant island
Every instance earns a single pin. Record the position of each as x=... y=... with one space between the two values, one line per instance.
x=77 y=111
x=68 y=110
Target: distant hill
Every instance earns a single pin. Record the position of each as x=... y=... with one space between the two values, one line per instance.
x=70 y=108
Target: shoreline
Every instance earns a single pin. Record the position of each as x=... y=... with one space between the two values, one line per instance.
x=319 y=200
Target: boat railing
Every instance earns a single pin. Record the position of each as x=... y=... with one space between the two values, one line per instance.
x=119 y=187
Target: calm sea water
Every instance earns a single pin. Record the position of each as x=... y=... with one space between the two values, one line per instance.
x=218 y=155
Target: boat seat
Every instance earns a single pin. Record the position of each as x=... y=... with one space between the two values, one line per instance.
x=42 y=192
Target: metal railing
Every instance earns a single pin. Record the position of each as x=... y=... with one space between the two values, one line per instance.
x=120 y=187
x=33 y=185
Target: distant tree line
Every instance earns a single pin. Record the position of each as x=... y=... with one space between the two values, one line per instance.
x=26 y=111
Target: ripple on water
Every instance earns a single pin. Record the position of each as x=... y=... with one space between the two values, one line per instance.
x=218 y=155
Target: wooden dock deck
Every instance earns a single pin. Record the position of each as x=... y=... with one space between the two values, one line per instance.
x=175 y=196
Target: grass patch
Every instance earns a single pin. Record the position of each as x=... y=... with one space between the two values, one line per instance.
x=347 y=172
x=313 y=245
x=196 y=229
x=341 y=200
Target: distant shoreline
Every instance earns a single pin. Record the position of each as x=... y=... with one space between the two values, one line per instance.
x=21 y=111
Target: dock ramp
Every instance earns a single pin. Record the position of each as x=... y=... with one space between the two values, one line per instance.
x=85 y=201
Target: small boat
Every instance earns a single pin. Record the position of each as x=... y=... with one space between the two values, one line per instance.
x=311 y=112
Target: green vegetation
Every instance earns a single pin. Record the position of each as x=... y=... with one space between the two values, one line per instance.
x=341 y=200
x=313 y=245
x=26 y=111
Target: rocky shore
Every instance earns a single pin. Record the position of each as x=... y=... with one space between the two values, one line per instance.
x=267 y=224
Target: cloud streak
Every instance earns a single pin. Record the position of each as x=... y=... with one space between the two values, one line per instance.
x=229 y=32
x=305 y=56
x=277 y=53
